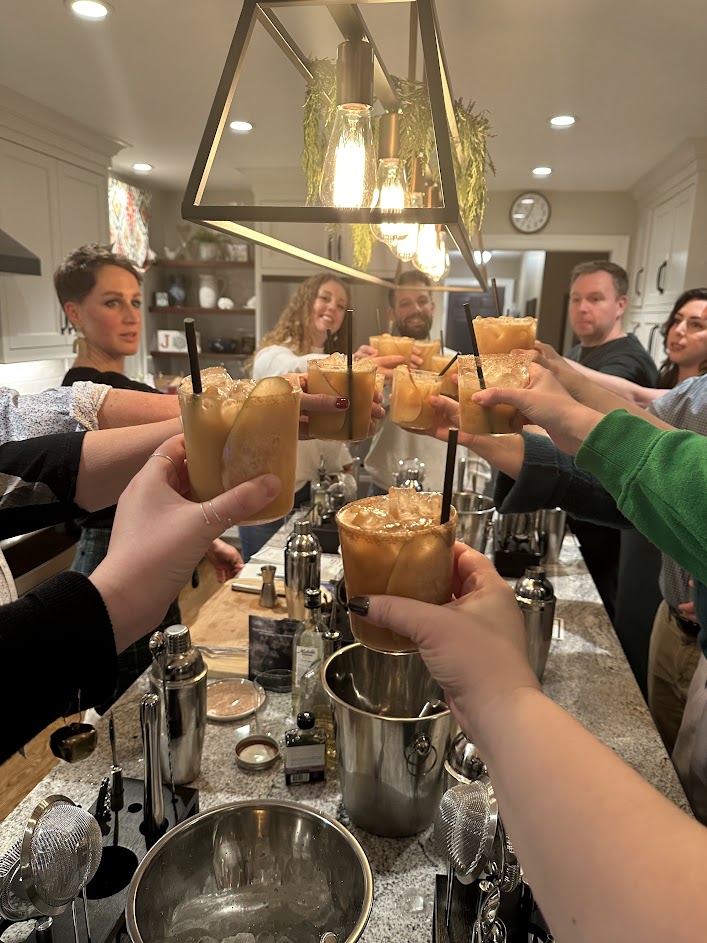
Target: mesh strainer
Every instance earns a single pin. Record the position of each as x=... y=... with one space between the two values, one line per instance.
x=465 y=826
x=61 y=851
x=14 y=904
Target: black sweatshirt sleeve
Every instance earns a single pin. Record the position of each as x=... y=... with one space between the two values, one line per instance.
x=38 y=482
x=55 y=643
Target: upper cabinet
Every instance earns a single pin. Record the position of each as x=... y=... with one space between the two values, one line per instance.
x=668 y=243
x=53 y=198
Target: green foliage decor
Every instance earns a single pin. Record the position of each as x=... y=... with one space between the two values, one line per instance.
x=470 y=155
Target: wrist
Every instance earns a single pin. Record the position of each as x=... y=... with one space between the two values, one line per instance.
x=501 y=713
x=580 y=421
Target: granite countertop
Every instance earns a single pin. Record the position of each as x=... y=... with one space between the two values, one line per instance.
x=586 y=673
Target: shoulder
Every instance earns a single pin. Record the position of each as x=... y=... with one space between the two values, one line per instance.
x=108 y=377
x=277 y=359
x=685 y=406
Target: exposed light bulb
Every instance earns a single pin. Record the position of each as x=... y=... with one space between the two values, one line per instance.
x=406 y=247
x=349 y=171
x=391 y=194
x=431 y=256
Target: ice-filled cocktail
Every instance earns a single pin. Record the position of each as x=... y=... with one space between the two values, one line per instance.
x=330 y=375
x=503 y=370
x=502 y=335
x=449 y=385
x=237 y=430
x=395 y=544
x=427 y=350
x=410 y=405
x=391 y=344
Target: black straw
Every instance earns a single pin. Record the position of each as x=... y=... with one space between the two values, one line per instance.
x=449 y=474
x=441 y=342
x=474 y=346
x=349 y=367
x=447 y=366
x=495 y=298
x=378 y=318
x=193 y=355
x=329 y=342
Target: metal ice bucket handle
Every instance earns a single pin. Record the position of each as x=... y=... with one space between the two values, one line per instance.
x=418 y=752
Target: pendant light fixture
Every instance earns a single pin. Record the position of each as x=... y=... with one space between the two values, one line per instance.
x=391 y=194
x=349 y=171
x=406 y=247
x=431 y=256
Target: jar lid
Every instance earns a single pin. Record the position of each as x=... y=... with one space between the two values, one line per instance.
x=257 y=751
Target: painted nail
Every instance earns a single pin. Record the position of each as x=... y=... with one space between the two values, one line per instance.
x=358 y=605
x=342 y=403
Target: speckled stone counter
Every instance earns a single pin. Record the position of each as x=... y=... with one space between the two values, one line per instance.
x=586 y=673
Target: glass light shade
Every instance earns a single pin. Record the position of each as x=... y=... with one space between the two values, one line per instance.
x=406 y=247
x=431 y=256
x=349 y=171
x=391 y=194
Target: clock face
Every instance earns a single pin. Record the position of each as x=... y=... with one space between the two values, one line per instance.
x=530 y=212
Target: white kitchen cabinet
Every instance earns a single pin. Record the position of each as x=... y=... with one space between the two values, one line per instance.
x=639 y=260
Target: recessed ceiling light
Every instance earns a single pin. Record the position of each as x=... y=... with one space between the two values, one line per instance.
x=142 y=168
x=562 y=121
x=89 y=9
x=241 y=126
x=542 y=171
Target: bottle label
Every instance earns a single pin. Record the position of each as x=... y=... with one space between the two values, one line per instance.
x=310 y=757
x=305 y=656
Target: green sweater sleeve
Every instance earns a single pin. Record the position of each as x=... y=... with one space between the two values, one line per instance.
x=659 y=481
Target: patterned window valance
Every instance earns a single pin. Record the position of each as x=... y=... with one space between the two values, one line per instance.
x=129 y=217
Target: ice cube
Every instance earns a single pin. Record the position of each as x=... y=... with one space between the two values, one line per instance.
x=265 y=937
x=239 y=938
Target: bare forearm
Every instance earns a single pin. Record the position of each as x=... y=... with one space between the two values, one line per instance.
x=133 y=407
x=593 y=394
x=111 y=457
x=577 y=820
x=504 y=453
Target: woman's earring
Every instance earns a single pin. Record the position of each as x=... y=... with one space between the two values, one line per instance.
x=79 y=344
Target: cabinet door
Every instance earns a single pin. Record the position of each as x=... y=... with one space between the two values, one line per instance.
x=312 y=237
x=639 y=253
x=658 y=253
x=674 y=281
x=29 y=211
x=83 y=207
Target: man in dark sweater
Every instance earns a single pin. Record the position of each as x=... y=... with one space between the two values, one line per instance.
x=598 y=297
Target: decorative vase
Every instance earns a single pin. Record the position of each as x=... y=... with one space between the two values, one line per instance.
x=210 y=288
x=177 y=291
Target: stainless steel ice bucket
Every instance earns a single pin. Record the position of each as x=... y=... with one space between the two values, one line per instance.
x=391 y=761
x=552 y=526
x=474 y=518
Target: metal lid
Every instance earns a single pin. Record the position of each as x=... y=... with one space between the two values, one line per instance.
x=534 y=585
x=257 y=751
x=301 y=527
x=305 y=720
x=312 y=598
x=180 y=660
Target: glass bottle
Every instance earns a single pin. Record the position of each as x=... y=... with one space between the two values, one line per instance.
x=307 y=643
x=305 y=751
x=313 y=697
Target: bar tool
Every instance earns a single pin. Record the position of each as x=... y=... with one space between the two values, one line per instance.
x=178 y=677
x=303 y=554
x=268 y=593
x=103 y=806
x=154 y=818
x=536 y=600
x=116 y=771
x=461 y=473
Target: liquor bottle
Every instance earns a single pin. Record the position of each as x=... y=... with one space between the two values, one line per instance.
x=305 y=751
x=313 y=697
x=306 y=643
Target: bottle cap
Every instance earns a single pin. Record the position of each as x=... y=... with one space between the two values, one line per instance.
x=312 y=599
x=305 y=720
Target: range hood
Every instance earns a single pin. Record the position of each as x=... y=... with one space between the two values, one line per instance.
x=15 y=259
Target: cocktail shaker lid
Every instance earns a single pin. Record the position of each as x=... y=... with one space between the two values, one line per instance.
x=180 y=660
x=302 y=540
x=463 y=761
x=302 y=527
x=534 y=585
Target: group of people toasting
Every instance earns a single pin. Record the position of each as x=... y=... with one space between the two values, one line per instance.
x=595 y=840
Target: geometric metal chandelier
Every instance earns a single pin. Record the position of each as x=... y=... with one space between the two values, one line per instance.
x=352 y=22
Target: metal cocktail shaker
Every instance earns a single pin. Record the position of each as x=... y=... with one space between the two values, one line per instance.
x=178 y=677
x=303 y=560
x=536 y=598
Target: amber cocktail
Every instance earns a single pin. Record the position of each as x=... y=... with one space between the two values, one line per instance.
x=237 y=430
x=439 y=362
x=502 y=335
x=391 y=344
x=394 y=544
x=330 y=376
x=503 y=370
x=427 y=349
x=410 y=405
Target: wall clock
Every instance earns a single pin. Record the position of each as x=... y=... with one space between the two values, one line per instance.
x=530 y=212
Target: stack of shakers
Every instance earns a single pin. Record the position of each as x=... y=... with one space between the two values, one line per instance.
x=310 y=746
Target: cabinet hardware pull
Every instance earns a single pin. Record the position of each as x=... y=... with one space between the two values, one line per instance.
x=659 y=282
x=638 y=291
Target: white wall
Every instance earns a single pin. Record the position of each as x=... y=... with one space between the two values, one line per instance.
x=530 y=282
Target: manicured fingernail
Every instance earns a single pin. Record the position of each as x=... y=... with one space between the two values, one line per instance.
x=342 y=403
x=358 y=605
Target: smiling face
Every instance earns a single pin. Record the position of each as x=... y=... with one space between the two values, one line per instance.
x=686 y=340
x=328 y=311
x=413 y=311
x=110 y=316
x=595 y=309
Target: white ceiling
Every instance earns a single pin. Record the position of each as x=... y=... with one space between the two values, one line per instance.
x=634 y=71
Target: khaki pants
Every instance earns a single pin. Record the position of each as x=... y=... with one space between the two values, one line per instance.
x=672 y=658
x=690 y=753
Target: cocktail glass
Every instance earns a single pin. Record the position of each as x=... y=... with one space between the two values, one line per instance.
x=502 y=335
x=503 y=370
x=394 y=544
x=391 y=344
x=427 y=350
x=410 y=405
x=237 y=430
x=438 y=363
x=330 y=376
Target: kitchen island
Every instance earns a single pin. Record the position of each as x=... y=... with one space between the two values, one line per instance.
x=586 y=673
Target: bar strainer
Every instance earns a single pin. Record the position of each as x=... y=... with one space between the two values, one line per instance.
x=61 y=851
x=14 y=903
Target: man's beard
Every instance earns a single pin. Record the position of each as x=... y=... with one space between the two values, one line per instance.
x=419 y=331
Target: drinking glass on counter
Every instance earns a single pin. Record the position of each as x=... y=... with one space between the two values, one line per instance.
x=503 y=370
x=330 y=376
x=501 y=335
x=391 y=344
x=437 y=363
x=237 y=430
x=410 y=405
x=395 y=544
